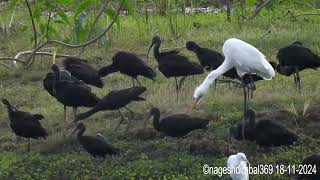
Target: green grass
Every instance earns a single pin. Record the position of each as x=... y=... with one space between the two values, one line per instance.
x=62 y=157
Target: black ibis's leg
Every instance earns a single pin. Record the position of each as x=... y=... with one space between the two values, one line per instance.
x=117 y=127
x=130 y=119
x=298 y=79
x=177 y=87
x=133 y=84
x=181 y=82
x=138 y=82
x=75 y=112
x=65 y=113
x=29 y=144
x=295 y=80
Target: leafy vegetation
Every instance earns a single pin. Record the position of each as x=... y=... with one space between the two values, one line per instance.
x=62 y=157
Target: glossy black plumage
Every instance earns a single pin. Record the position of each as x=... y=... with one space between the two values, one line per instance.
x=297 y=55
x=312 y=168
x=177 y=125
x=50 y=78
x=295 y=58
x=208 y=58
x=265 y=132
x=115 y=100
x=129 y=64
x=25 y=124
x=172 y=64
x=82 y=70
x=72 y=93
x=95 y=145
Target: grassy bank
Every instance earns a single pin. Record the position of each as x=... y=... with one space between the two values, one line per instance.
x=62 y=157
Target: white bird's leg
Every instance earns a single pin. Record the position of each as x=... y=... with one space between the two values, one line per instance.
x=253 y=86
x=245 y=95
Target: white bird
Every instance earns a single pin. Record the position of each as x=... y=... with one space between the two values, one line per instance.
x=237 y=164
x=245 y=58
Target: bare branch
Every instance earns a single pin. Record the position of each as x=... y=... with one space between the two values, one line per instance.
x=42 y=53
x=256 y=12
x=48 y=23
x=33 y=27
x=76 y=45
x=12 y=59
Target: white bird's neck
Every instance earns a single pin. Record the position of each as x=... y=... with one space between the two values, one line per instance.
x=213 y=75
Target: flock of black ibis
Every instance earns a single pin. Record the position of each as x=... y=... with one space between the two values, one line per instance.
x=240 y=61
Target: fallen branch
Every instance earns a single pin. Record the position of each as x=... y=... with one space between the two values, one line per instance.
x=307 y=14
x=29 y=61
x=42 y=53
x=12 y=59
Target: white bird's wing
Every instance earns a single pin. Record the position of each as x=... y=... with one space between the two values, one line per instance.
x=248 y=59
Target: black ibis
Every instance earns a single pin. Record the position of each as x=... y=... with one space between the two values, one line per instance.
x=265 y=132
x=50 y=78
x=71 y=93
x=129 y=64
x=114 y=101
x=309 y=169
x=297 y=58
x=178 y=125
x=172 y=64
x=82 y=70
x=97 y=146
x=208 y=58
x=25 y=124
